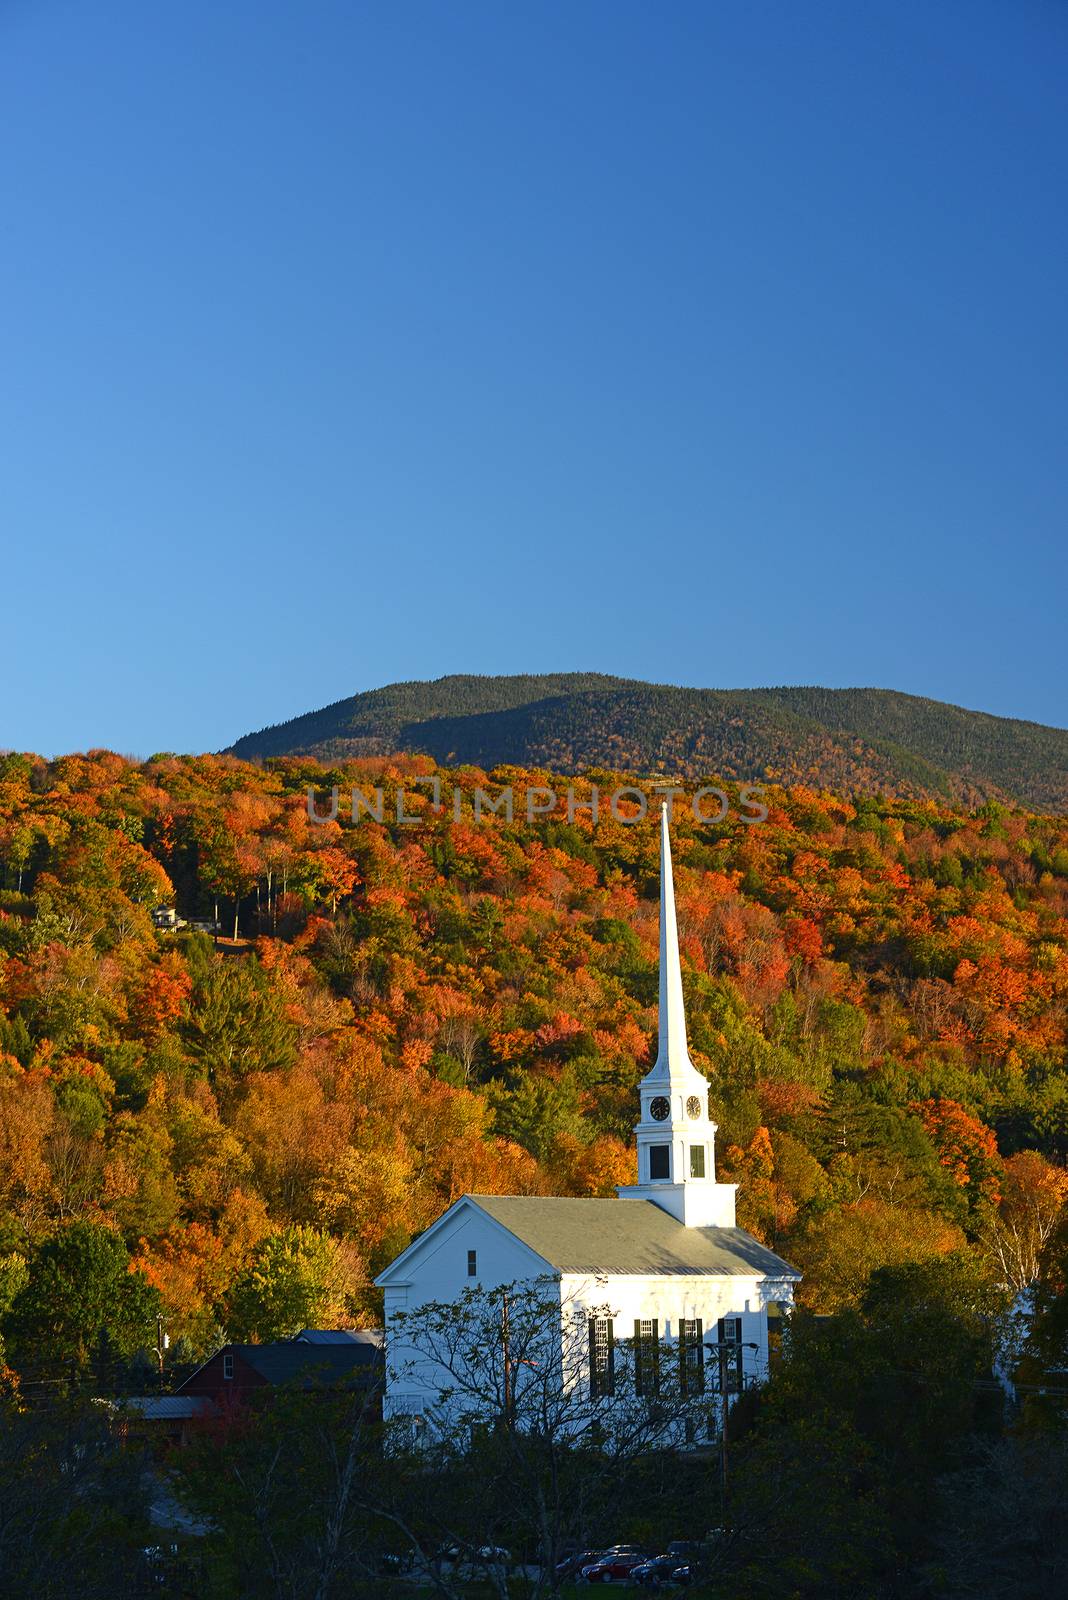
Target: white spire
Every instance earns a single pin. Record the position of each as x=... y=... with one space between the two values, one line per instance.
x=676 y=1135
x=672 y=1054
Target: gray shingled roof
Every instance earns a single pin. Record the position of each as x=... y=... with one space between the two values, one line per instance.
x=628 y=1236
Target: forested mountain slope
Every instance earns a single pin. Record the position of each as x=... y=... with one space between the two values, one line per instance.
x=853 y=740
x=877 y=992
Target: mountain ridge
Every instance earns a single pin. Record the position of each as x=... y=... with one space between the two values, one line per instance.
x=856 y=740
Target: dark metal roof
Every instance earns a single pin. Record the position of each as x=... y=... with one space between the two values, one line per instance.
x=628 y=1236
x=167 y=1407
x=307 y=1363
x=289 y=1362
x=319 y=1336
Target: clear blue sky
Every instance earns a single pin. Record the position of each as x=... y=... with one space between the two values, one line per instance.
x=714 y=343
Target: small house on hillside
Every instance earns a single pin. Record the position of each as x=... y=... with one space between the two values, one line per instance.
x=167 y=919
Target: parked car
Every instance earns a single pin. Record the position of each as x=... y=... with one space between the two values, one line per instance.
x=572 y=1565
x=685 y=1574
x=614 y=1568
x=658 y=1573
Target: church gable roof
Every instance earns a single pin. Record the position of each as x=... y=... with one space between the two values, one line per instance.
x=620 y=1237
x=416 y=1255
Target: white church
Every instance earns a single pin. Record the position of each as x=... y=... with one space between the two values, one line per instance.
x=663 y=1262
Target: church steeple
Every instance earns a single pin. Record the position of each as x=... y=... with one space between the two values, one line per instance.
x=676 y=1136
x=672 y=1056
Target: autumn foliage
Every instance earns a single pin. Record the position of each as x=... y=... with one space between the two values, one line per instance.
x=398 y=1013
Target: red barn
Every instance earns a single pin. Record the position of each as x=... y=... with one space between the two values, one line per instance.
x=315 y=1359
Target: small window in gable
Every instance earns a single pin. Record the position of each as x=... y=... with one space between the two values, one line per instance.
x=228 y=1366
x=472 y=1263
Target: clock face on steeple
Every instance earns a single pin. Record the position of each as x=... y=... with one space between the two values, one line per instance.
x=693 y=1106
x=660 y=1108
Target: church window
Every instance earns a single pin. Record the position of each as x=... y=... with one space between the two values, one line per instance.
x=697 y=1161
x=691 y=1356
x=646 y=1355
x=472 y=1263
x=659 y=1161
x=729 y=1334
x=409 y=1419
x=602 y=1357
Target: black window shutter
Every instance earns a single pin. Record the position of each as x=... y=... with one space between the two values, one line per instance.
x=610 y=1370
x=593 y=1359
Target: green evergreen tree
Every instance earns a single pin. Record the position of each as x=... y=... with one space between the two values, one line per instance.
x=79 y=1287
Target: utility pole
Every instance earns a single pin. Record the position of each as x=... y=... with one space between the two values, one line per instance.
x=162 y=1345
x=506 y=1348
x=724 y=1349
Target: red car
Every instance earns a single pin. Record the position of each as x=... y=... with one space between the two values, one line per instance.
x=613 y=1568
